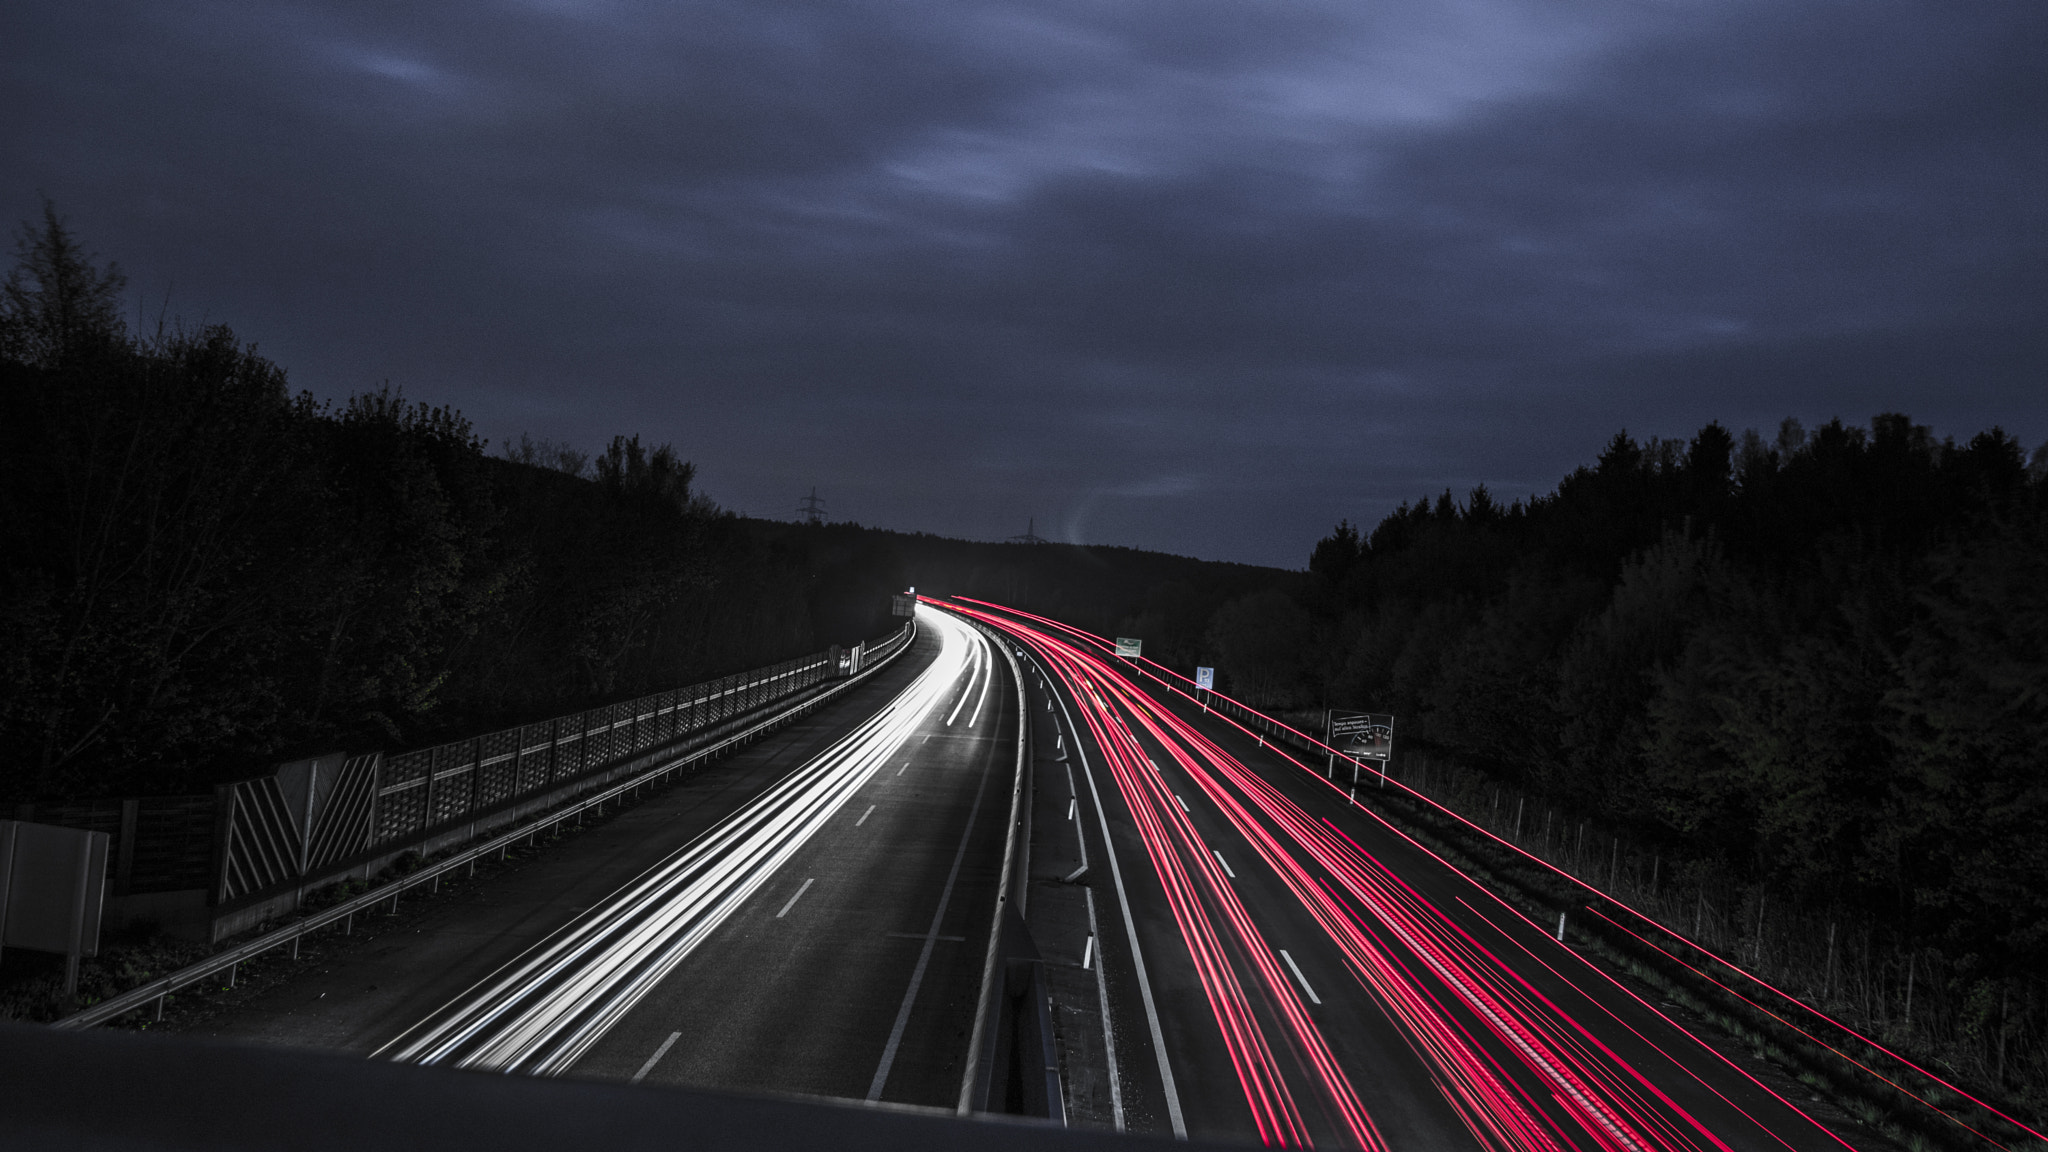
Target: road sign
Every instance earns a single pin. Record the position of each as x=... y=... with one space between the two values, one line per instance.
x=1362 y=735
x=1125 y=646
x=1205 y=678
x=903 y=604
x=53 y=882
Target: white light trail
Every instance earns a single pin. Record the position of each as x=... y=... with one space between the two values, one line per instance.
x=542 y=1011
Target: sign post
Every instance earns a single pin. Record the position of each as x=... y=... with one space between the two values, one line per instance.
x=1362 y=736
x=1205 y=681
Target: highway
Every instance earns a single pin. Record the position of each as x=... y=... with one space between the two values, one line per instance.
x=854 y=972
x=1283 y=968
x=805 y=917
x=1235 y=950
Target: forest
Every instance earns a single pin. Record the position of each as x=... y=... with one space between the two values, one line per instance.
x=1167 y=601
x=204 y=572
x=1817 y=660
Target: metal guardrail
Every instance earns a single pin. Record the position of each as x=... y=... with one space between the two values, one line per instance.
x=345 y=912
x=310 y=821
x=1005 y=1035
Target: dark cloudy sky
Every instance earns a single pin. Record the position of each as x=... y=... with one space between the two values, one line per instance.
x=1195 y=275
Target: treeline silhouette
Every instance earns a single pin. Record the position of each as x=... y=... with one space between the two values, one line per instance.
x=1819 y=661
x=205 y=571
x=1168 y=601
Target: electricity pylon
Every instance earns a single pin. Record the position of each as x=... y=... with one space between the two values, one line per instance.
x=811 y=508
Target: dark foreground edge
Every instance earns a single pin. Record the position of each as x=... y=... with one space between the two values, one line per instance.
x=115 y=1090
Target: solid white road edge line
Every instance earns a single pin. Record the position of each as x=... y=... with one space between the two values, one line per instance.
x=971 y=676
x=1116 y=872
x=924 y=957
x=985 y=685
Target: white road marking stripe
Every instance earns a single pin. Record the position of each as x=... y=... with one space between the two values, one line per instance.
x=1183 y=803
x=539 y=1013
x=864 y=816
x=986 y=684
x=656 y=1058
x=1226 y=867
x=906 y=764
x=1313 y=998
x=805 y=887
x=971 y=678
x=925 y=955
x=1116 y=1087
x=1073 y=802
x=1088 y=953
x=1116 y=872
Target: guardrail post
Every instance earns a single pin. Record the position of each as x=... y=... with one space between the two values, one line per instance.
x=427 y=801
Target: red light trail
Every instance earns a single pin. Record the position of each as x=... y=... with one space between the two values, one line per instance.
x=1786 y=1004
x=1516 y=1068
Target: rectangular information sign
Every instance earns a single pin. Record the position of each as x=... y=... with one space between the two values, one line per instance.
x=52 y=885
x=1125 y=646
x=1205 y=678
x=903 y=604
x=1362 y=735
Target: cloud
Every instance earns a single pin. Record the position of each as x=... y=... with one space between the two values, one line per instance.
x=1192 y=275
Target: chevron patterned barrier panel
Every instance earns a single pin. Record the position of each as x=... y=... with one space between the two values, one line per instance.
x=311 y=818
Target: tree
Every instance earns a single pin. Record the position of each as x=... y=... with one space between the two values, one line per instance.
x=1336 y=554
x=57 y=307
x=1265 y=643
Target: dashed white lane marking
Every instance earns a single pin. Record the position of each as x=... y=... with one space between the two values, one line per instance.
x=656 y=1058
x=1218 y=855
x=793 y=899
x=871 y=811
x=1312 y=997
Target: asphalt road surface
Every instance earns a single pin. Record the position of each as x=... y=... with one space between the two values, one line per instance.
x=806 y=916
x=1236 y=950
x=1293 y=971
